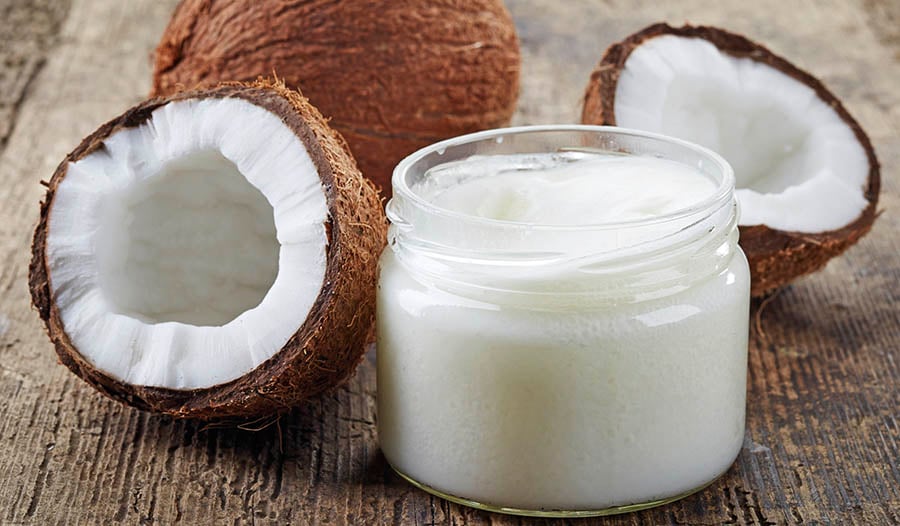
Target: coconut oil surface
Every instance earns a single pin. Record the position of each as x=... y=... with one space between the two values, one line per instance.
x=567 y=188
x=548 y=376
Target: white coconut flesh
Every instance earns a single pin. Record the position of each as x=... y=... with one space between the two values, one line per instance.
x=798 y=166
x=188 y=250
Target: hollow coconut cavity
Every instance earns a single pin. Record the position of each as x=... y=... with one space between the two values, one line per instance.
x=210 y=254
x=806 y=174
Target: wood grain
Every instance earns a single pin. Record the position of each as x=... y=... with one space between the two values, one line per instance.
x=823 y=429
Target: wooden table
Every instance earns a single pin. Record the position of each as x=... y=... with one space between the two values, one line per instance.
x=823 y=423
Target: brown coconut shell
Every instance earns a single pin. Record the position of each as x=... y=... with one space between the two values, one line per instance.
x=392 y=75
x=776 y=257
x=325 y=350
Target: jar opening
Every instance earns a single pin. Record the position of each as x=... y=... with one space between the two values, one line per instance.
x=560 y=139
x=682 y=244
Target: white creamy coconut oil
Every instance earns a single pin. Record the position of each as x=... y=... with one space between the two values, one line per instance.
x=562 y=320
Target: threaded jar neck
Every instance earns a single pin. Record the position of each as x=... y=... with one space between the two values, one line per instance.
x=552 y=265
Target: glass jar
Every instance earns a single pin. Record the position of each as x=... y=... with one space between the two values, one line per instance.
x=555 y=370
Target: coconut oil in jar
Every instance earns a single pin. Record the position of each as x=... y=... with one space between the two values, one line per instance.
x=562 y=321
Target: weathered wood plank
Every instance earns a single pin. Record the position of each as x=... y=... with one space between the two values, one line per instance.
x=823 y=437
x=29 y=30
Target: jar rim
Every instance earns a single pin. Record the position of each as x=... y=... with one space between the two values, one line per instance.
x=722 y=195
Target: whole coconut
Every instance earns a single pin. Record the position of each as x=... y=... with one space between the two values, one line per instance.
x=392 y=75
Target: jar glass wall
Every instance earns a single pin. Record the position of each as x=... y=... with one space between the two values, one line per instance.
x=562 y=370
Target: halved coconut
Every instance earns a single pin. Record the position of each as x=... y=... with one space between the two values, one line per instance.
x=210 y=254
x=807 y=175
